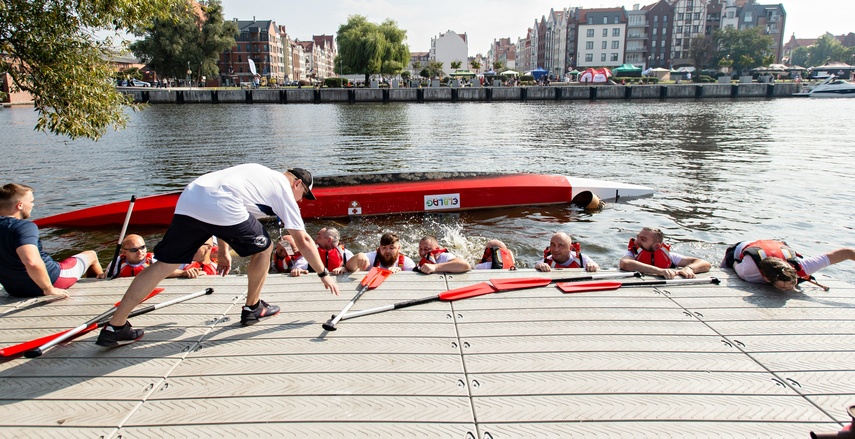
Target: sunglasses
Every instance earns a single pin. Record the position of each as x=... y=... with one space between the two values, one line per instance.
x=134 y=249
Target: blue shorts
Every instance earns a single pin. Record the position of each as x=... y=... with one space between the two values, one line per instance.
x=186 y=234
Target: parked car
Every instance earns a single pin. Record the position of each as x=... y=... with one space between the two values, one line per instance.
x=138 y=83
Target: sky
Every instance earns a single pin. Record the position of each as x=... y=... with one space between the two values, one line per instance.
x=485 y=21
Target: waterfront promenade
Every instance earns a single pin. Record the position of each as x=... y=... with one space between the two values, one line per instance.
x=464 y=94
x=733 y=360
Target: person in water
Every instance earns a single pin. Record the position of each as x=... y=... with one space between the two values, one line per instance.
x=133 y=258
x=775 y=263
x=496 y=256
x=435 y=259
x=332 y=251
x=25 y=269
x=564 y=253
x=648 y=253
x=387 y=256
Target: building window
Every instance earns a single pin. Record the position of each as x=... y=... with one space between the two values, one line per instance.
x=615 y=44
x=614 y=57
x=616 y=32
x=678 y=42
x=605 y=32
x=605 y=20
x=590 y=33
x=590 y=20
x=696 y=28
x=589 y=57
x=680 y=16
x=664 y=19
x=655 y=31
x=697 y=15
x=653 y=44
x=602 y=57
x=589 y=45
x=679 y=29
x=605 y=45
x=655 y=19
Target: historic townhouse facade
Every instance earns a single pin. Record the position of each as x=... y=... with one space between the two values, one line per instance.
x=449 y=47
x=660 y=16
x=260 y=42
x=602 y=37
x=637 y=37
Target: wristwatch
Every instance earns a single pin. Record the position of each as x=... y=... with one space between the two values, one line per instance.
x=324 y=273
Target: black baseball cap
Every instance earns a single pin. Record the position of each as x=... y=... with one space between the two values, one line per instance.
x=306 y=176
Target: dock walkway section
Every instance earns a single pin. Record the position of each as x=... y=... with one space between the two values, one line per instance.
x=729 y=360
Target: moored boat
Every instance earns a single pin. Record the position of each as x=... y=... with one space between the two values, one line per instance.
x=385 y=194
x=831 y=87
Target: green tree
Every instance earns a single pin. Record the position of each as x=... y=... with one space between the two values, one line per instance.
x=498 y=66
x=800 y=56
x=475 y=64
x=702 y=51
x=51 y=51
x=456 y=65
x=370 y=48
x=434 y=69
x=747 y=48
x=187 y=41
x=827 y=49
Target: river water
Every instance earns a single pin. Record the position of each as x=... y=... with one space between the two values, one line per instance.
x=724 y=170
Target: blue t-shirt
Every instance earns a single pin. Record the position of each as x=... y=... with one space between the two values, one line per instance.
x=13 y=275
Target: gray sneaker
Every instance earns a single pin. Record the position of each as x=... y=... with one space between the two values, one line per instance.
x=110 y=338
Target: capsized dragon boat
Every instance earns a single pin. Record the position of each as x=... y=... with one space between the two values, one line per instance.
x=385 y=194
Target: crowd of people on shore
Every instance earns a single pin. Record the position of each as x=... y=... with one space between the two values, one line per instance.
x=219 y=212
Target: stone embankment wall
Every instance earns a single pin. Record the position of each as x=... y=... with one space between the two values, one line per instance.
x=446 y=94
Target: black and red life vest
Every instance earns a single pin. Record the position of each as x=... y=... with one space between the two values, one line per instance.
x=660 y=257
x=332 y=258
x=767 y=248
x=128 y=270
x=571 y=263
x=500 y=259
x=284 y=265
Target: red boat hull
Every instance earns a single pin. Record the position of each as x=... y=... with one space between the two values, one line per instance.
x=377 y=194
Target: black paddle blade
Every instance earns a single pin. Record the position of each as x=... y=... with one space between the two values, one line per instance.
x=328 y=325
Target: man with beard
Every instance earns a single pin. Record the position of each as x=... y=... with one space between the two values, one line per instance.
x=25 y=269
x=648 y=254
x=387 y=256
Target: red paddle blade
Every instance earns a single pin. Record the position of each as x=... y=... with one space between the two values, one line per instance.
x=519 y=284
x=581 y=287
x=153 y=293
x=374 y=278
x=32 y=344
x=476 y=290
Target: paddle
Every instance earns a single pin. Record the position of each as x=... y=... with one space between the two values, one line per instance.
x=534 y=282
x=86 y=327
x=114 y=263
x=580 y=287
x=478 y=289
x=372 y=280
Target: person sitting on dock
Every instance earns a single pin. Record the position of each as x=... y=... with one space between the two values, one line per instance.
x=227 y=204
x=132 y=259
x=496 y=257
x=564 y=253
x=775 y=263
x=387 y=256
x=435 y=259
x=25 y=269
x=647 y=253
x=284 y=256
x=332 y=252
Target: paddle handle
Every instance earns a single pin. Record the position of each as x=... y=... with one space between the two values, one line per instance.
x=114 y=266
x=597 y=276
x=330 y=325
x=391 y=307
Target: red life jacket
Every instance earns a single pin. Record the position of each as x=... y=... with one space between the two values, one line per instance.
x=764 y=248
x=400 y=260
x=571 y=263
x=660 y=257
x=284 y=265
x=501 y=259
x=209 y=269
x=431 y=257
x=127 y=270
x=333 y=258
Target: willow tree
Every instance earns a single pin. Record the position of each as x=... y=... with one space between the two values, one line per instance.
x=189 y=40
x=369 y=48
x=50 y=50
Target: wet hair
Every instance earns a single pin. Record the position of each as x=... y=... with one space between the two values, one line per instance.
x=11 y=193
x=657 y=232
x=777 y=269
x=333 y=233
x=388 y=238
x=429 y=238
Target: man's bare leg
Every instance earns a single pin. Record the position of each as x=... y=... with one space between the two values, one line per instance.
x=141 y=286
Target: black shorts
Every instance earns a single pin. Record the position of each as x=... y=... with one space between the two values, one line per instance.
x=186 y=234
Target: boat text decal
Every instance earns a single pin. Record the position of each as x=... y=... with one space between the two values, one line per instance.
x=444 y=201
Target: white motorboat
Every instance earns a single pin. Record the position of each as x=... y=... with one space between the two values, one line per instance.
x=832 y=87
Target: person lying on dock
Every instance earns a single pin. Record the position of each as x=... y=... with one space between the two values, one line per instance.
x=133 y=258
x=775 y=263
x=387 y=256
x=25 y=269
x=647 y=253
x=496 y=257
x=332 y=252
x=564 y=253
x=435 y=259
x=227 y=204
x=284 y=256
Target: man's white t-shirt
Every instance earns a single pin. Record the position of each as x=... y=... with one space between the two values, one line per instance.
x=748 y=271
x=409 y=265
x=230 y=196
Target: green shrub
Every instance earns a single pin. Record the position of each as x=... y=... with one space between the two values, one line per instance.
x=335 y=82
x=526 y=78
x=704 y=78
